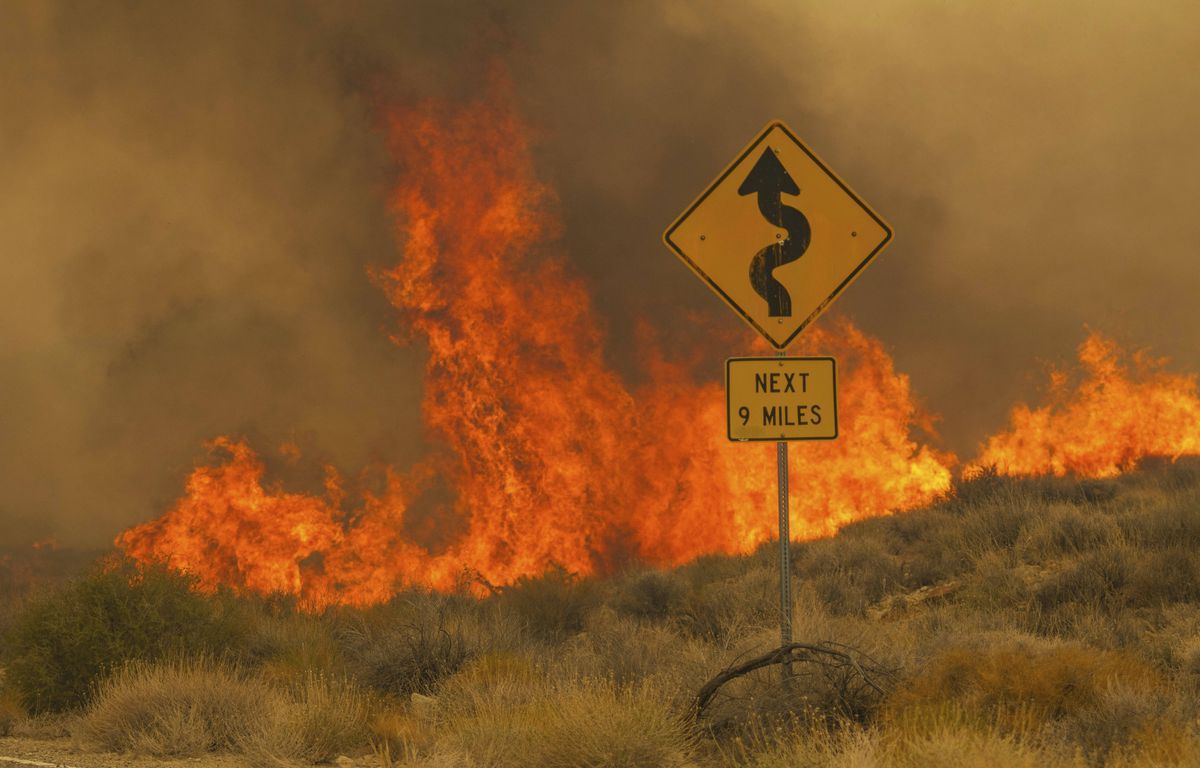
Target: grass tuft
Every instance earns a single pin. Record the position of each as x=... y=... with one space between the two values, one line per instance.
x=176 y=708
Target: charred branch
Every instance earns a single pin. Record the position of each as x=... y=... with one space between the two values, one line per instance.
x=849 y=665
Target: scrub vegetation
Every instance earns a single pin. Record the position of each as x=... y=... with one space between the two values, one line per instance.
x=1024 y=622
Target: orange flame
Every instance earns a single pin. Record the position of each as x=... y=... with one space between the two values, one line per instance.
x=1115 y=415
x=549 y=458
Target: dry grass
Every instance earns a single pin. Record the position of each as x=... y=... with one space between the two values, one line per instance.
x=11 y=711
x=318 y=719
x=944 y=744
x=185 y=707
x=196 y=706
x=560 y=724
x=1038 y=622
x=1009 y=682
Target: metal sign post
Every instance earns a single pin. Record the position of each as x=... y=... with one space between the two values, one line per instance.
x=781 y=399
x=785 y=555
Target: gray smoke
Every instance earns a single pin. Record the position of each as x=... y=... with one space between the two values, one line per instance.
x=192 y=193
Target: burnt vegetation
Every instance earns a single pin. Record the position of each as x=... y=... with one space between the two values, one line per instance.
x=1019 y=621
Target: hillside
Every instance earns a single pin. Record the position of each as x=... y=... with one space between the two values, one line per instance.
x=1020 y=622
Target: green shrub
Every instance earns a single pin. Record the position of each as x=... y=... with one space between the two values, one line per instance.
x=61 y=643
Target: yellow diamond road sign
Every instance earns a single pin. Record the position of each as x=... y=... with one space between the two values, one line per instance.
x=778 y=235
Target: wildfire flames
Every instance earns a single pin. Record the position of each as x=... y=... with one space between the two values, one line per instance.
x=1101 y=425
x=546 y=456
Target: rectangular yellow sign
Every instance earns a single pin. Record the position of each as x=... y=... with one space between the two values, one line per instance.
x=781 y=398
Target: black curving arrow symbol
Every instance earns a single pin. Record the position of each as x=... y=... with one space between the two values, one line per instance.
x=769 y=180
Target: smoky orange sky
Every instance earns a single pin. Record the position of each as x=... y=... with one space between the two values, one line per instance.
x=192 y=194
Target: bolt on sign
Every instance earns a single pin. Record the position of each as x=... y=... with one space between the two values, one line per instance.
x=781 y=398
x=778 y=235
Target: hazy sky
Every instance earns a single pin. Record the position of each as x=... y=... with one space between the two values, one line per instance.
x=192 y=193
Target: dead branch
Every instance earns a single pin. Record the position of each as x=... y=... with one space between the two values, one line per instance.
x=828 y=656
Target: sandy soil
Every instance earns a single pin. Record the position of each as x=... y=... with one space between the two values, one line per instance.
x=62 y=753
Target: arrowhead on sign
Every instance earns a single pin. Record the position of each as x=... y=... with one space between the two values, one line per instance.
x=768 y=177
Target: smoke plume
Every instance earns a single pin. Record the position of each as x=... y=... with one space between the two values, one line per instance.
x=193 y=194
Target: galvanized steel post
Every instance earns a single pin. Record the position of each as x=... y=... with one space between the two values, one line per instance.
x=785 y=556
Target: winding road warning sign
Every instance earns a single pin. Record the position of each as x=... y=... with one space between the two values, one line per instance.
x=778 y=235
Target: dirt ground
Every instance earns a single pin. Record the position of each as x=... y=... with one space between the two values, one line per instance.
x=62 y=753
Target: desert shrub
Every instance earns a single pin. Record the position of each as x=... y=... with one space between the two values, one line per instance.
x=850 y=574
x=786 y=745
x=651 y=595
x=719 y=609
x=11 y=712
x=1170 y=520
x=840 y=594
x=563 y=725
x=181 y=707
x=630 y=652
x=318 y=718
x=1096 y=579
x=411 y=654
x=1065 y=529
x=1164 y=576
x=1187 y=657
x=490 y=669
x=994 y=524
x=399 y=737
x=820 y=692
x=930 y=543
x=552 y=606
x=285 y=647
x=964 y=745
x=1017 y=683
x=862 y=563
x=1173 y=475
x=1070 y=489
x=941 y=742
x=710 y=569
x=1124 y=716
x=61 y=643
x=980 y=487
x=993 y=585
